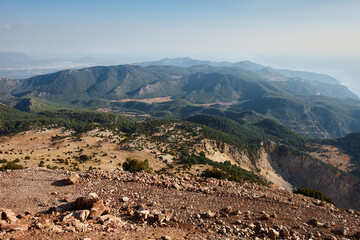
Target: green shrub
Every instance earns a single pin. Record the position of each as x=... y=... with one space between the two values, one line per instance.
x=309 y=192
x=214 y=173
x=133 y=165
x=83 y=158
x=233 y=172
x=11 y=166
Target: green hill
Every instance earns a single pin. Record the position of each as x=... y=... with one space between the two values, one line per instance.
x=227 y=91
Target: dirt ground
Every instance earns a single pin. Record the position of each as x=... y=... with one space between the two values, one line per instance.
x=146 y=100
x=251 y=211
x=333 y=156
x=51 y=145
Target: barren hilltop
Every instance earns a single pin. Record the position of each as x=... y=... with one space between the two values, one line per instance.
x=39 y=203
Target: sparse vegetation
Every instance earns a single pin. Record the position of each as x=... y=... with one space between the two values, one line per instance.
x=12 y=165
x=232 y=172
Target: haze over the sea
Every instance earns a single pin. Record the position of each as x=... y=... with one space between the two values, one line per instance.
x=321 y=36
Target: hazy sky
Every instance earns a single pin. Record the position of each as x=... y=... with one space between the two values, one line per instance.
x=320 y=35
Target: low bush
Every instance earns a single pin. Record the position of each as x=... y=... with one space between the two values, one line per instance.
x=214 y=173
x=133 y=165
x=83 y=158
x=11 y=166
x=309 y=192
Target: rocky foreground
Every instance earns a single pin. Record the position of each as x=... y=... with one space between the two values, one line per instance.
x=46 y=204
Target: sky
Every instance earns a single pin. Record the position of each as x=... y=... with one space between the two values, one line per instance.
x=321 y=35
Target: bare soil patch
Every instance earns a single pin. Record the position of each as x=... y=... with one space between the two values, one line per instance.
x=146 y=100
x=333 y=156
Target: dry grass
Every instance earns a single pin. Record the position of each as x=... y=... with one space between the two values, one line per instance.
x=146 y=100
x=333 y=156
x=101 y=146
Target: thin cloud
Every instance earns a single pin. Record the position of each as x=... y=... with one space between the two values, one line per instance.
x=10 y=26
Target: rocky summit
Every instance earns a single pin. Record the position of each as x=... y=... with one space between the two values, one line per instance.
x=38 y=203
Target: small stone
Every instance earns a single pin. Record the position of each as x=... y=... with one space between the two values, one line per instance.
x=144 y=213
x=68 y=216
x=141 y=207
x=155 y=212
x=168 y=216
x=284 y=232
x=15 y=227
x=238 y=221
x=82 y=215
x=313 y=222
x=125 y=199
x=110 y=219
x=176 y=186
x=345 y=231
x=327 y=225
x=80 y=227
x=161 y=218
x=251 y=226
x=43 y=204
x=237 y=212
x=98 y=209
x=265 y=216
x=220 y=222
x=55 y=228
x=228 y=209
x=8 y=215
x=87 y=201
x=209 y=214
x=273 y=234
x=222 y=214
x=73 y=179
x=350 y=211
x=166 y=238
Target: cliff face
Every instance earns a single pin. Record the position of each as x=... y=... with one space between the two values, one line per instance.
x=304 y=171
x=287 y=168
x=221 y=152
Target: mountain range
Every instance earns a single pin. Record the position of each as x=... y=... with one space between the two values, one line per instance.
x=307 y=105
x=246 y=65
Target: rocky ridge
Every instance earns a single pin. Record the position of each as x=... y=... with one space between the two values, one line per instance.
x=41 y=204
